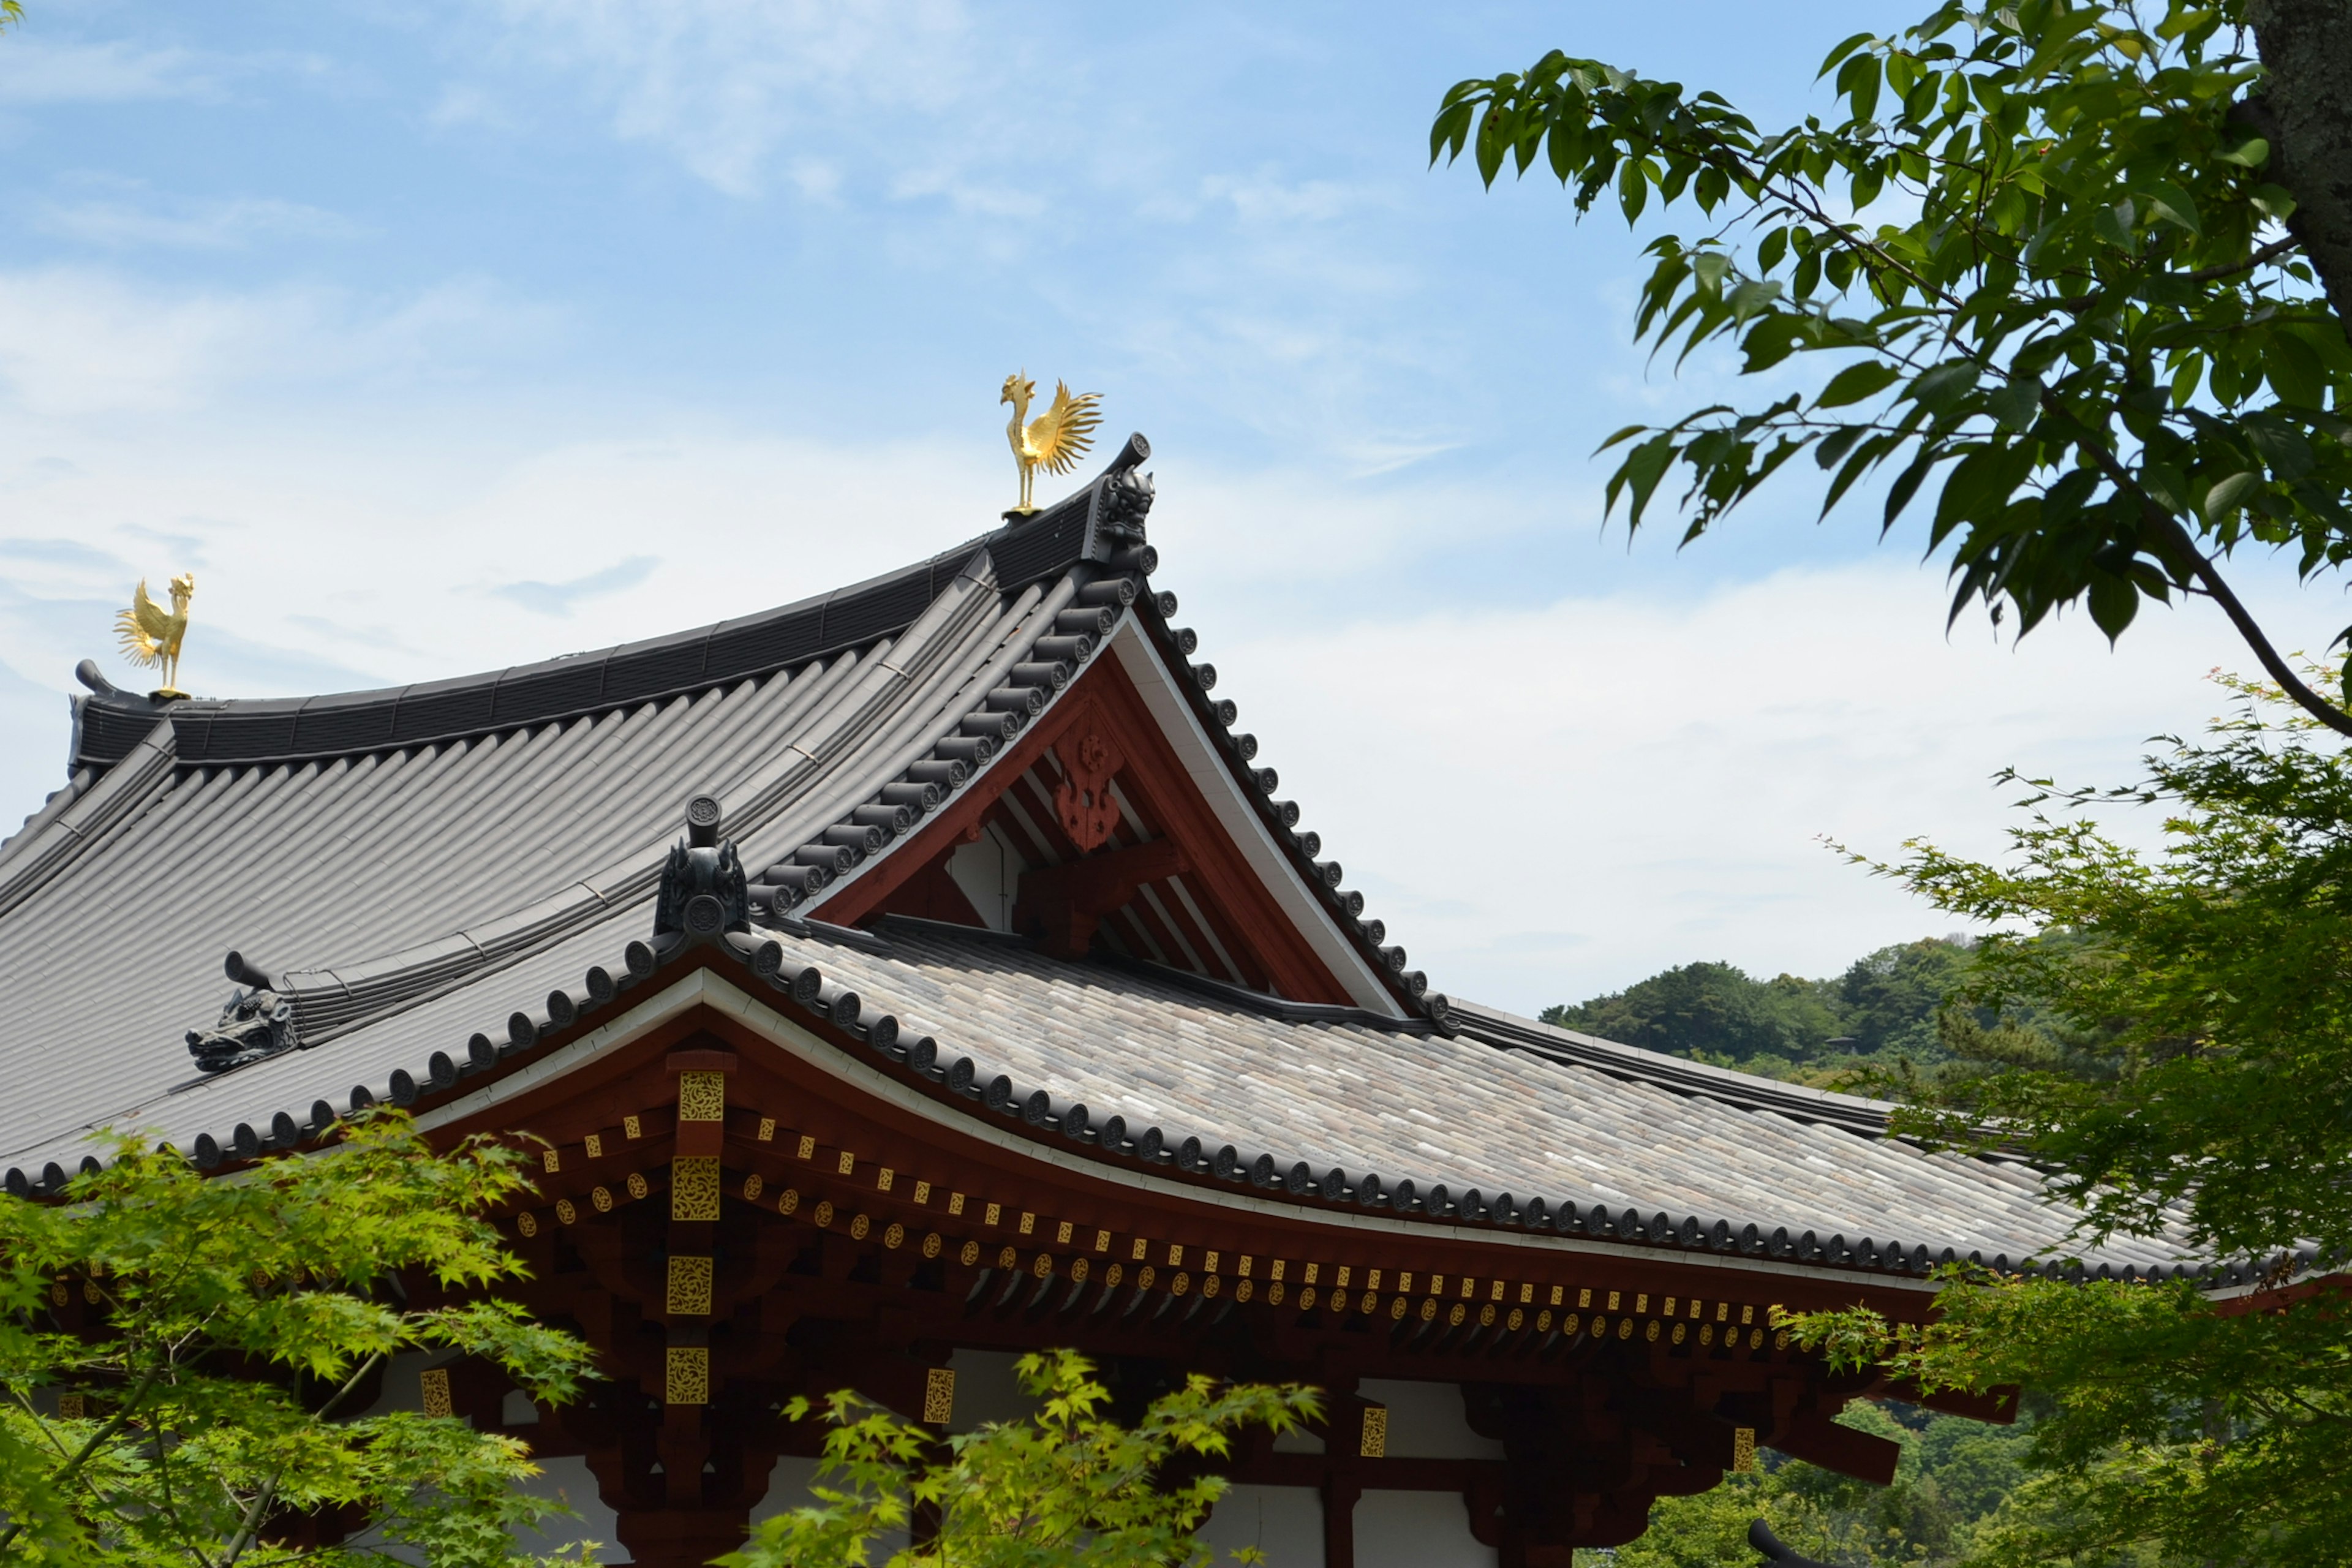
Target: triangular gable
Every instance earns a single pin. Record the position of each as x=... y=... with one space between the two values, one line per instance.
x=1119 y=823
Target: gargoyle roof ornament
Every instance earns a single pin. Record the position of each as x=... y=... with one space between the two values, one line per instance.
x=255 y=1022
x=704 y=892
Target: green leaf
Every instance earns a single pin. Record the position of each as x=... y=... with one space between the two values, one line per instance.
x=1866 y=458
x=1856 y=382
x=2168 y=486
x=1979 y=487
x=1752 y=296
x=1939 y=388
x=2185 y=380
x=1829 y=63
x=1632 y=189
x=2113 y=222
x=1858 y=82
x=1641 y=471
x=2230 y=494
x=2282 y=446
x=1906 y=485
x=1450 y=130
x=2114 y=603
x=2273 y=201
x=2169 y=202
x=2294 y=371
x=1835 y=444
x=2246 y=149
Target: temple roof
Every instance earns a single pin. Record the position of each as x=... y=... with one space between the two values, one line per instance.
x=440 y=881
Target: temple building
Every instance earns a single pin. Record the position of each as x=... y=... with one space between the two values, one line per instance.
x=934 y=970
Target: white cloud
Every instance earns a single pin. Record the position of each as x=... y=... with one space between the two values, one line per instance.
x=35 y=71
x=1264 y=197
x=125 y=223
x=78 y=341
x=468 y=103
x=411 y=553
x=723 y=84
x=1544 y=804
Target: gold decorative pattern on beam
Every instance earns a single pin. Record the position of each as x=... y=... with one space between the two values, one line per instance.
x=939 y=1397
x=702 y=1097
x=881 y=1209
x=432 y=1385
x=1375 y=1444
x=688 y=1380
x=689 y=1285
x=694 y=1187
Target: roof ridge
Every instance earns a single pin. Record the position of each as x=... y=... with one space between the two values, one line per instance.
x=82 y=812
x=1855 y=1114
x=249 y=730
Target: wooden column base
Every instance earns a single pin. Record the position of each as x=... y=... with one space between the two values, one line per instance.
x=1339 y=1495
x=681 y=1538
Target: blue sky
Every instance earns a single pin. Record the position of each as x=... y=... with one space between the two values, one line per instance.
x=439 y=336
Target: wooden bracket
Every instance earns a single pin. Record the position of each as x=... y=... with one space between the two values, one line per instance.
x=1068 y=900
x=1818 y=1440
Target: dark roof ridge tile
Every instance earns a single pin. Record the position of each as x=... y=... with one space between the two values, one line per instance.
x=287 y=728
x=1855 y=1114
x=1196 y=1155
x=1281 y=1008
x=54 y=836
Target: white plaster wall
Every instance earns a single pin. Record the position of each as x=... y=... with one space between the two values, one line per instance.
x=1284 y=1523
x=987 y=1389
x=988 y=872
x=565 y=1480
x=1426 y=1421
x=401 y=1390
x=1416 y=1530
x=568 y=1480
x=788 y=1487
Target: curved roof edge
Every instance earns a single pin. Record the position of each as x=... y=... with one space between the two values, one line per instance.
x=109 y=723
x=758 y=964
x=1851 y=1111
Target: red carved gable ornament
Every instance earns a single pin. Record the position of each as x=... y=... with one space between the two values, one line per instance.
x=1083 y=798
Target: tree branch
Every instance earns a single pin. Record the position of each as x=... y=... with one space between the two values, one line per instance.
x=2077 y=303
x=2207 y=575
x=98 y=1440
x=250 y=1526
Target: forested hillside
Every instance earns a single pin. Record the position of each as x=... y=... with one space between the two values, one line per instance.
x=1877 y=1021
x=1883 y=1009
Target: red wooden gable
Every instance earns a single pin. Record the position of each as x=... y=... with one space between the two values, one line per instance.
x=1120 y=852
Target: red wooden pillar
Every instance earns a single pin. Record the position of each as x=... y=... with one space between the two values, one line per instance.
x=1340 y=1491
x=681 y=1537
